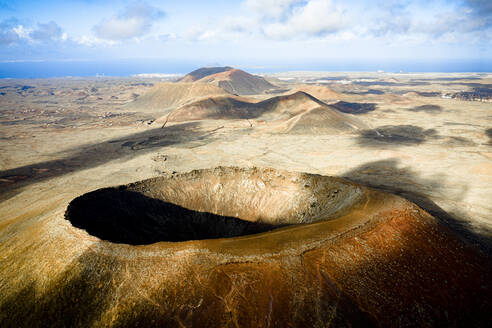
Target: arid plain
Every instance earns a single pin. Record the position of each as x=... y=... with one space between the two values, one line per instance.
x=424 y=137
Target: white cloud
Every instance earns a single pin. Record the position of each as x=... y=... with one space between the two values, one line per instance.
x=134 y=21
x=271 y=8
x=46 y=32
x=11 y=32
x=91 y=41
x=256 y=25
x=337 y=21
x=22 y=32
x=167 y=37
x=229 y=29
x=274 y=19
x=317 y=18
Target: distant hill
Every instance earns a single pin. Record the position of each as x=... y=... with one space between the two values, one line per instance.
x=220 y=107
x=319 y=91
x=287 y=106
x=295 y=113
x=238 y=82
x=301 y=113
x=166 y=96
x=232 y=80
x=321 y=120
x=202 y=72
x=233 y=107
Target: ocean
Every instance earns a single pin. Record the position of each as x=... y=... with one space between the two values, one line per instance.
x=128 y=67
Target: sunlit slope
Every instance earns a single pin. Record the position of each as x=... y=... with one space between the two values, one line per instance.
x=165 y=96
x=295 y=113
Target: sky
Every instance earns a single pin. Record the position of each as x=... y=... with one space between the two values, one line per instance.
x=252 y=33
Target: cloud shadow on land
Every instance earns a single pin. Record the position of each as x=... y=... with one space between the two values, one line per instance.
x=364 y=93
x=488 y=133
x=387 y=84
x=387 y=175
x=92 y=155
x=428 y=93
x=395 y=135
x=354 y=108
x=78 y=297
x=432 y=109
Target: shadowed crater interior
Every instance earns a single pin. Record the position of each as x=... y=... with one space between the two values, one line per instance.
x=120 y=215
x=207 y=204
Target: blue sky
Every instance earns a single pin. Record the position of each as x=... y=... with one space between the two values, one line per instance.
x=253 y=31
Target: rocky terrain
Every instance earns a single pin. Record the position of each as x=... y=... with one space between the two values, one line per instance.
x=478 y=94
x=343 y=199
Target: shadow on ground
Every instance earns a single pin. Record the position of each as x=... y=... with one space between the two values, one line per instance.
x=459 y=78
x=388 y=84
x=458 y=142
x=428 y=93
x=89 y=156
x=124 y=216
x=364 y=93
x=386 y=175
x=395 y=135
x=432 y=109
x=488 y=133
x=354 y=108
x=77 y=298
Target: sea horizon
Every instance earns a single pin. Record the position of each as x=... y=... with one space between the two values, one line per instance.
x=129 y=67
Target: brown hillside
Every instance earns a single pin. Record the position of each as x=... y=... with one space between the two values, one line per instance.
x=232 y=107
x=295 y=113
x=322 y=120
x=220 y=107
x=202 y=72
x=319 y=91
x=287 y=106
x=238 y=82
x=165 y=96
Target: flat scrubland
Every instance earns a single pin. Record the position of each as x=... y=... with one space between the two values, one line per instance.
x=340 y=254
x=64 y=137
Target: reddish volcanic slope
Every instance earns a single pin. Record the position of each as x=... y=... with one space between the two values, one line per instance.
x=238 y=82
x=319 y=91
x=236 y=247
x=166 y=96
x=296 y=113
x=202 y=72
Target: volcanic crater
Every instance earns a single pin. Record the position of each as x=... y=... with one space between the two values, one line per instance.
x=252 y=247
x=209 y=204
